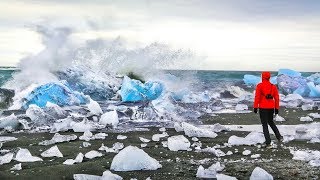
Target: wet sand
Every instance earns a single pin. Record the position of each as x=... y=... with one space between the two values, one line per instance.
x=175 y=165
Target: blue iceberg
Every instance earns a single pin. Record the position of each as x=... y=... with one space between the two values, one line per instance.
x=56 y=93
x=134 y=90
x=252 y=80
x=314 y=90
x=289 y=72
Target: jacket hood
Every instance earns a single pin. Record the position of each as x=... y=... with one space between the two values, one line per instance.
x=265 y=76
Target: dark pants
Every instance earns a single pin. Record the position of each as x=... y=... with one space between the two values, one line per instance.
x=266 y=117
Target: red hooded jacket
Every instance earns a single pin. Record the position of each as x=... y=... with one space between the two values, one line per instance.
x=264 y=88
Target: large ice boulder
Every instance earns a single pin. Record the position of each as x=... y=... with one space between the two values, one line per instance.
x=179 y=142
x=193 y=131
x=52 y=152
x=314 y=78
x=109 y=118
x=251 y=139
x=251 y=80
x=57 y=93
x=24 y=155
x=134 y=90
x=260 y=174
x=314 y=89
x=132 y=158
x=289 y=72
x=293 y=84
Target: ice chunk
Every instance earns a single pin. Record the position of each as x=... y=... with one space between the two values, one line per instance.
x=9 y=121
x=225 y=177
x=289 y=72
x=87 y=136
x=55 y=111
x=86 y=177
x=251 y=80
x=314 y=115
x=16 y=167
x=178 y=127
x=217 y=167
x=57 y=93
x=162 y=129
x=7 y=138
x=94 y=107
x=61 y=125
x=246 y=152
x=121 y=137
x=193 y=131
x=293 y=85
x=83 y=126
x=179 y=142
x=156 y=137
x=279 y=118
x=314 y=89
x=241 y=107
x=6 y=158
x=306 y=119
x=255 y=156
x=52 y=152
x=144 y=140
x=57 y=138
x=24 y=155
x=214 y=151
x=307 y=107
x=132 y=158
x=260 y=174
x=251 y=139
x=100 y=136
x=134 y=90
x=93 y=154
x=110 y=117
x=86 y=144
x=205 y=173
x=108 y=175
x=315 y=163
x=38 y=116
x=306 y=155
x=78 y=159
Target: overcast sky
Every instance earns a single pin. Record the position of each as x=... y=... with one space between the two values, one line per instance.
x=228 y=34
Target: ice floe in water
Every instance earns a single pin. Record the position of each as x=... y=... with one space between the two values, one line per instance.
x=132 y=158
x=260 y=174
x=251 y=139
x=52 y=152
x=179 y=142
x=24 y=155
x=193 y=131
x=6 y=158
x=57 y=138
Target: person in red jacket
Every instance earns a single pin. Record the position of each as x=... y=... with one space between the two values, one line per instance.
x=267 y=101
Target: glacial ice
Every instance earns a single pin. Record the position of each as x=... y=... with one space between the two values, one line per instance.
x=93 y=154
x=7 y=138
x=134 y=90
x=38 y=116
x=94 y=107
x=121 y=137
x=6 y=158
x=9 y=121
x=132 y=158
x=246 y=152
x=179 y=142
x=57 y=93
x=78 y=159
x=83 y=126
x=314 y=115
x=16 y=167
x=224 y=177
x=289 y=72
x=314 y=89
x=260 y=174
x=205 y=173
x=52 y=152
x=109 y=118
x=193 y=131
x=107 y=175
x=24 y=155
x=57 y=138
x=156 y=137
x=61 y=125
x=144 y=140
x=241 y=107
x=251 y=139
x=251 y=80
x=279 y=118
x=306 y=119
x=87 y=136
x=313 y=157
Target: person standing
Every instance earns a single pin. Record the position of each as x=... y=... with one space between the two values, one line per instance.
x=267 y=101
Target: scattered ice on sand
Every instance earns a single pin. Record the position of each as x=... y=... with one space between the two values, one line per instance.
x=78 y=159
x=193 y=131
x=241 y=107
x=87 y=136
x=144 y=140
x=121 y=137
x=93 y=154
x=52 y=152
x=179 y=142
x=143 y=145
x=260 y=174
x=156 y=137
x=115 y=148
x=16 y=167
x=132 y=158
x=109 y=118
x=251 y=139
x=246 y=152
x=214 y=151
x=24 y=155
x=83 y=126
x=57 y=138
x=306 y=119
x=314 y=115
x=6 y=158
x=255 y=156
x=278 y=118
x=313 y=157
x=94 y=107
